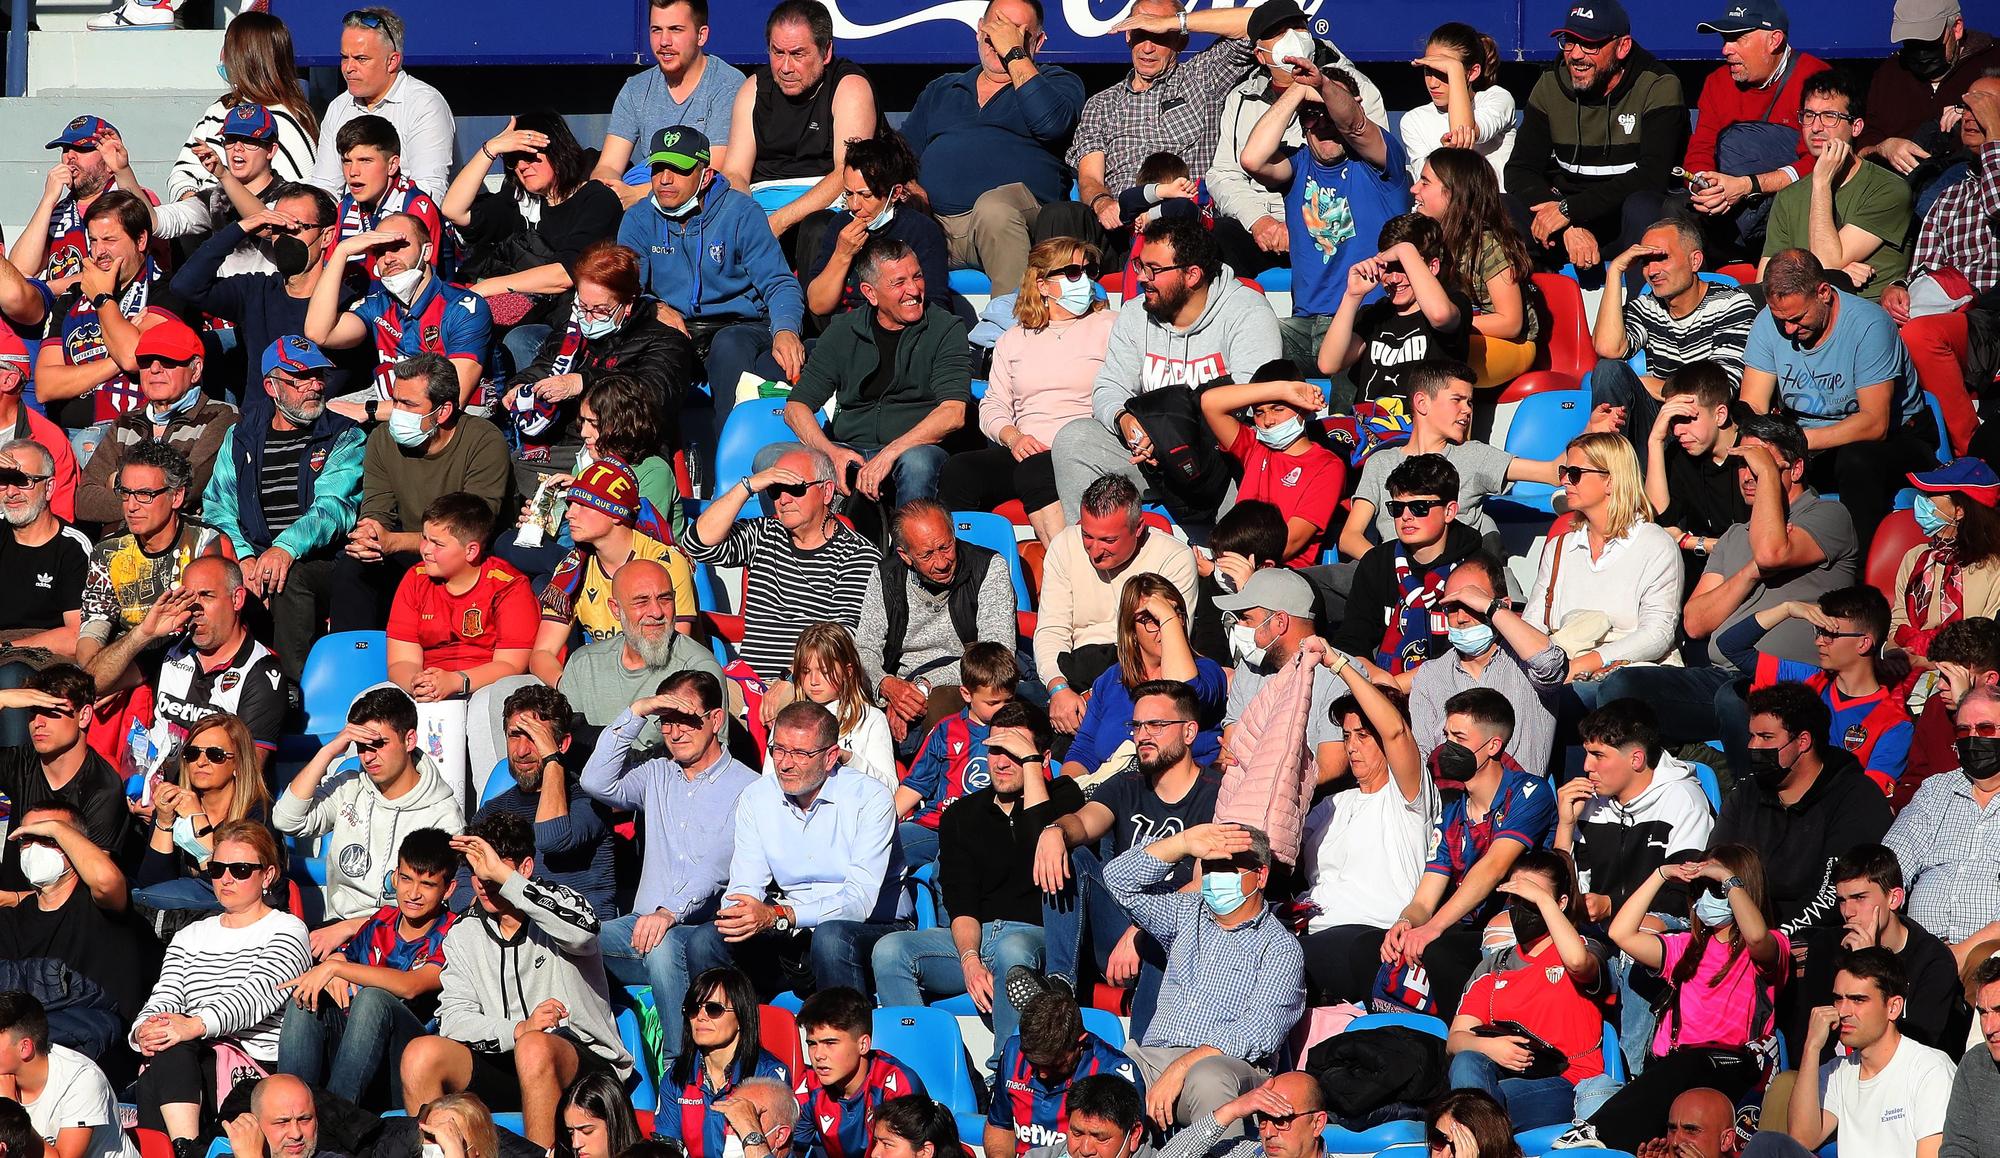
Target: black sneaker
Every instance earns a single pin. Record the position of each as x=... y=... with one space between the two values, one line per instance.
x=1024 y=985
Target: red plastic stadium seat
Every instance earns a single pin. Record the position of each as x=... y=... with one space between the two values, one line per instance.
x=1893 y=539
x=1013 y=511
x=1744 y=272
x=1536 y=382
x=778 y=1033
x=1566 y=346
x=153 y=1143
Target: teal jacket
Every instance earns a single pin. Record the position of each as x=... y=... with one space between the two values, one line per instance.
x=332 y=489
x=933 y=366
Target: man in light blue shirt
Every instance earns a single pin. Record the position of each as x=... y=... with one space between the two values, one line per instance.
x=689 y=803
x=689 y=87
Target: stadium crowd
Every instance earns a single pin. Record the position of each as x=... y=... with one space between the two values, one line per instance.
x=605 y=652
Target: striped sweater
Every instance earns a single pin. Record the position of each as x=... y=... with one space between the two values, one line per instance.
x=229 y=979
x=786 y=589
x=1717 y=330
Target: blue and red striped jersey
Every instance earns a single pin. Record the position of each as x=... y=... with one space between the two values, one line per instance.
x=1038 y=1114
x=952 y=764
x=699 y=1126
x=839 y=1128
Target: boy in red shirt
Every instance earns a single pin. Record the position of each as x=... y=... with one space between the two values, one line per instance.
x=1282 y=465
x=460 y=625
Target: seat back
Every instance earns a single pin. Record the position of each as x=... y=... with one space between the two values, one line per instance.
x=1710 y=786
x=1434 y=1026
x=1566 y=345
x=996 y=534
x=927 y=1041
x=498 y=780
x=1893 y=539
x=1542 y=427
x=1105 y=1025
x=749 y=428
x=339 y=667
x=778 y=1033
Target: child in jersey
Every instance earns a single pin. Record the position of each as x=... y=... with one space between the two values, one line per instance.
x=371 y=166
x=1039 y=1067
x=952 y=762
x=722 y=1032
x=847 y=1080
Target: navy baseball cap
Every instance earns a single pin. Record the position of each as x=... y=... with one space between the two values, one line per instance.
x=1595 y=21
x=250 y=123
x=296 y=354
x=1748 y=16
x=82 y=130
x=680 y=146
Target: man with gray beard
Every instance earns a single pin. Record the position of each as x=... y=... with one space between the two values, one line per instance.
x=602 y=679
x=48 y=558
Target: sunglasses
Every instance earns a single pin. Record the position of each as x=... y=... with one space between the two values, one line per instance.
x=1830 y=633
x=793 y=490
x=241 y=872
x=148 y=361
x=1281 y=1121
x=1985 y=730
x=712 y=1010
x=208 y=752
x=1419 y=507
x=363 y=17
x=1074 y=269
x=1572 y=475
x=20 y=479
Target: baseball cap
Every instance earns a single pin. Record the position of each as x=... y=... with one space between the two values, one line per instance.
x=1922 y=19
x=1268 y=17
x=1274 y=589
x=1595 y=21
x=12 y=349
x=682 y=147
x=1748 y=16
x=82 y=130
x=250 y=123
x=608 y=486
x=171 y=339
x=1964 y=476
x=296 y=354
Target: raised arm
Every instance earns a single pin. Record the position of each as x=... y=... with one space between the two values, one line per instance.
x=1263 y=155
x=1392 y=730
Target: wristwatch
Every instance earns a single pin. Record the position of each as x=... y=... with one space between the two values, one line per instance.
x=1731 y=885
x=782 y=923
x=755 y=1138
x=1018 y=52
x=97 y=303
x=1562 y=207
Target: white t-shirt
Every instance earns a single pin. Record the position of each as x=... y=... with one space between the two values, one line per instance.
x=1423 y=130
x=1364 y=852
x=78 y=1094
x=1885 y=1117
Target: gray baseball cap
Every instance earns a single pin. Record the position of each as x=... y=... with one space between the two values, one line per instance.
x=1274 y=589
x=1922 y=19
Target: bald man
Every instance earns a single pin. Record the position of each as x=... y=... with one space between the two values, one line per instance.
x=282 y=1122
x=1700 y=1124
x=601 y=679
x=1288 y=1114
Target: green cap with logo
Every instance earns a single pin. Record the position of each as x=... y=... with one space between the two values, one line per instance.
x=680 y=146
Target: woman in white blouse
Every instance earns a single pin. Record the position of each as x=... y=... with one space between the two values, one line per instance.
x=258 y=66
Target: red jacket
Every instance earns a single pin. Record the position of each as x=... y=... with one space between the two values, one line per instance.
x=1724 y=102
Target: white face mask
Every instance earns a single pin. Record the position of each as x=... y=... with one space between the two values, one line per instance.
x=881 y=220
x=432 y=1150
x=679 y=211
x=42 y=865
x=407 y=429
x=1243 y=644
x=1283 y=434
x=1077 y=294
x=1296 y=42
x=403 y=286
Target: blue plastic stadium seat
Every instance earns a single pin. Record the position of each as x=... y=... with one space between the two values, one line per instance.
x=1944 y=435
x=1275 y=280
x=970 y=281
x=338 y=668
x=1342 y=1143
x=1435 y=1026
x=751 y=427
x=1614 y=1057
x=1105 y=1025
x=996 y=534
x=1535 y=1143
x=498 y=780
x=510 y=1121
x=788 y=1001
x=979 y=389
x=958 y=1005
x=1543 y=425
x=1710 y=786
x=927 y=1041
x=644 y=1085
x=930 y=896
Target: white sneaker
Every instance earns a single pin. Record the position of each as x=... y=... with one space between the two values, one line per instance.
x=136 y=16
x=1581 y=1136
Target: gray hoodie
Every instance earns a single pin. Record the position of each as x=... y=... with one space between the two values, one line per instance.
x=492 y=983
x=367 y=830
x=1236 y=333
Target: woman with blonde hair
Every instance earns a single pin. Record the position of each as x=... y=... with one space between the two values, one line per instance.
x=826 y=669
x=220 y=779
x=460 y=1126
x=1043 y=371
x=1152 y=646
x=1609 y=586
x=259 y=67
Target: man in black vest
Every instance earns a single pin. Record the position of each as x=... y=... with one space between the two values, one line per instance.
x=925 y=604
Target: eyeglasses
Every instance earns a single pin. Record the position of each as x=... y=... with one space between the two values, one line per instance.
x=1147 y=624
x=709 y=1009
x=1074 y=269
x=1149 y=271
x=241 y=872
x=780 y=752
x=1145 y=727
x=145 y=495
x=148 y=361
x=20 y=479
x=291 y=383
x=1572 y=475
x=598 y=313
x=1830 y=633
x=1823 y=117
x=212 y=754
x=1419 y=507
x=1568 y=41
x=1984 y=730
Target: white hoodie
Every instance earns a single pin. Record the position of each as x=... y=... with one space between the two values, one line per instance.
x=367 y=830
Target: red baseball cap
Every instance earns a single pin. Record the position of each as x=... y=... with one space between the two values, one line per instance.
x=171 y=339
x=12 y=349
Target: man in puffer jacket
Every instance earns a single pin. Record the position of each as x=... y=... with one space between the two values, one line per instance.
x=525 y=1008
x=397 y=791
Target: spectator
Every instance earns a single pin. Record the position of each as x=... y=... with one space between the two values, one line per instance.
x=1636 y=808
x=241 y=155
x=565 y=1029
x=78 y=909
x=693 y=789
x=395 y=779
x=24 y=423
x=1853 y=216
x=368 y=1000
x=1551 y=983
x=1973 y=1084
x=990 y=141
x=1394 y=617
x=1851 y=387
x=1364 y=847
x=260 y=69
x=951 y=759
x=284 y=490
x=1044 y=370
x=1939 y=865
x=130 y=571
x=1107 y=1118
x=1152 y=648
x=1286 y=601
x=1966 y=655
x=94 y=161
x=897 y=374
x=1903 y=1115
x=1795 y=545
x=792 y=119
x=1248 y=538
x=1468 y=108
x=926 y=604
x=763 y=1106
x=34 y=541
x=408 y=310
x=433 y=449
x=268 y=307
x=1690 y=465
x=1606 y=188
x=1685 y=319
x=282 y=1120
x=882 y=199
x=722 y=1024
x=176 y=414
x=1198 y=325
x=67 y=1097
x=826 y=670
x=848 y=1083
x=371 y=63
x=1492 y=646
x=1471 y=1121
x=597 y=1118
x=986 y=844
x=799 y=581
x=572 y=830
x=1868 y=883
x=1700 y=1124
x=91 y=374
x=371 y=166
x=1329 y=203
x=746 y=310
x=1417 y=316
x=1287 y=1112
x=1946 y=579
x=689 y=87
x=56 y=764
x=1761 y=82
x=1937 y=60
x=1049 y=1070
x=219 y=983
x=1458 y=189
x=1467 y=859
x=600 y=679
x=1228 y=997
x=460 y=1125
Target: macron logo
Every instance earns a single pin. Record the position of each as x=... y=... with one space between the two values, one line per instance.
x=826 y=1123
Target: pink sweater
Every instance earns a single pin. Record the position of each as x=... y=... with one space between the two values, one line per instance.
x=1041 y=379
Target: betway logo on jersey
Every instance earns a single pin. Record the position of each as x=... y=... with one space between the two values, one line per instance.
x=1035 y=1134
x=1164 y=371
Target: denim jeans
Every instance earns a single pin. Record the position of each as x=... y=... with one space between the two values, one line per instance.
x=1086 y=906
x=918 y=962
x=668 y=968
x=1614 y=382
x=836 y=954
x=920 y=844
x=1531 y=1102
x=347 y=1046
x=522 y=343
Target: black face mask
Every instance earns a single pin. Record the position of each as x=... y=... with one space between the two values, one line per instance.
x=1529 y=927
x=1979 y=756
x=1765 y=769
x=1926 y=59
x=1455 y=761
x=291 y=256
